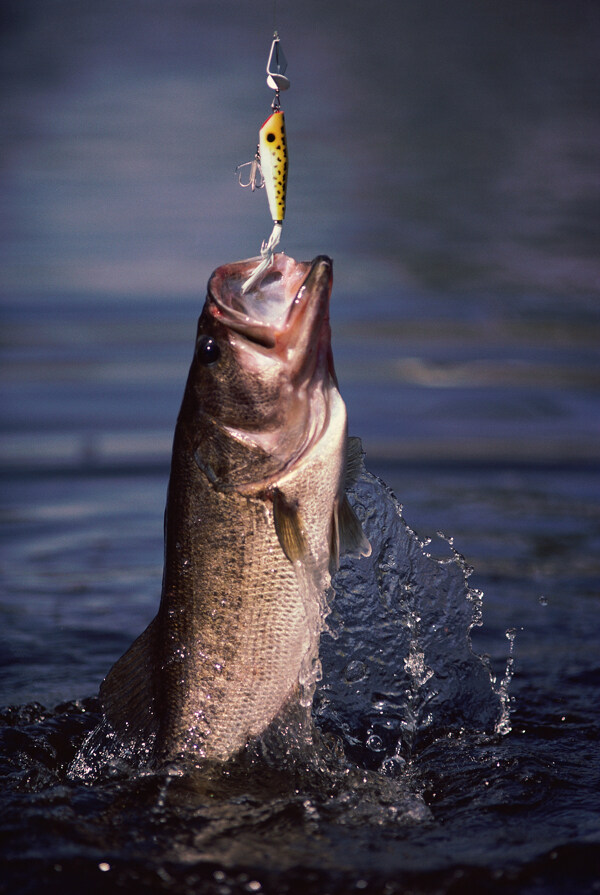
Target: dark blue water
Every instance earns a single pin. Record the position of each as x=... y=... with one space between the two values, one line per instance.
x=446 y=157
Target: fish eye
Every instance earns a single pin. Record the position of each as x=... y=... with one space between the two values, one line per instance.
x=207 y=350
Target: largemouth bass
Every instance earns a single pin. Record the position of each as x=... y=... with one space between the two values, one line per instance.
x=255 y=520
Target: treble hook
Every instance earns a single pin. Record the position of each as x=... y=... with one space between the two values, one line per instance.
x=256 y=180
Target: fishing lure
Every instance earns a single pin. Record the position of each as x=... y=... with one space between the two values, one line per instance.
x=269 y=166
x=274 y=163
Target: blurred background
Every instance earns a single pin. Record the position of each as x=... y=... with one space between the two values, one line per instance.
x=444 y=154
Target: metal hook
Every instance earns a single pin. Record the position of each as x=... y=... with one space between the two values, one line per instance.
x=255 y=175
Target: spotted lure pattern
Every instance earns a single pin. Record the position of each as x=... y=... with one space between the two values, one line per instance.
x=274 y=163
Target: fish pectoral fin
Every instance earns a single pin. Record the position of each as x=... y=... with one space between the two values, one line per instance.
x=288 y=526
x=354 y=460
x=127 y=692
x=351 y=536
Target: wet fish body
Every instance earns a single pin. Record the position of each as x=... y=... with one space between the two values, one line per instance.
x=255 y=520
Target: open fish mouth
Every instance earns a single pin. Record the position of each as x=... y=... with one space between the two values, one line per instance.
x=287 y=309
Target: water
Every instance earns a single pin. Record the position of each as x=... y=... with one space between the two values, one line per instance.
x=424 y=727
x=446 y=157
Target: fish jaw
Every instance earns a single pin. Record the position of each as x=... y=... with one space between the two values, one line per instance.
x=260 y=312
x=287 y=310
x=278 y=343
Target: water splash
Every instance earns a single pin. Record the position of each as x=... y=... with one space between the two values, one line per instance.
x=398 y=666
x=396 y=669
x=503 y=725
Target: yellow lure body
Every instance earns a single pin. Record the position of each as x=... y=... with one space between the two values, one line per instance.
x=274 y=163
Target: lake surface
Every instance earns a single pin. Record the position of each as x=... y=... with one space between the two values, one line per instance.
x=446 y=157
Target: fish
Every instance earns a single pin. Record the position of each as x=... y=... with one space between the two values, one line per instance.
x=256 y=519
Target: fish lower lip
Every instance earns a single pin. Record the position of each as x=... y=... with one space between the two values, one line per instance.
x=317 y=282
x=320 y=266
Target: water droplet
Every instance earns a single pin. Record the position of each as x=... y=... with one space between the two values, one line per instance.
x=375 y=743
x=310 y=810
x=543 y=601
x=355 y=671
x=448 y=538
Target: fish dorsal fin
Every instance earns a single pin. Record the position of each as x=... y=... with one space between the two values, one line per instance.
x=352 y=538
x=354 y=460
x=288 y=526
x=127 y=692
